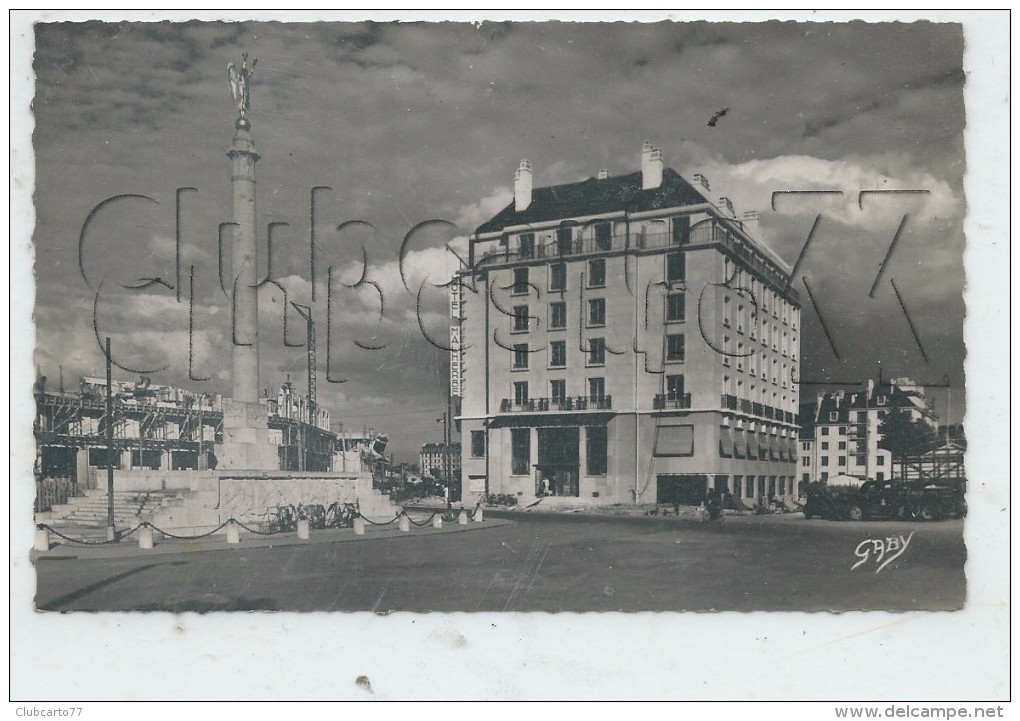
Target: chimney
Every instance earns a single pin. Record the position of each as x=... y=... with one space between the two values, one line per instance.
x=727 y=205
x=522 y=186
x=651 y=167
x=701 y=180
x=603 y=174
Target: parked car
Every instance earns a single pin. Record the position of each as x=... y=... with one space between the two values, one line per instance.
x=886 y=500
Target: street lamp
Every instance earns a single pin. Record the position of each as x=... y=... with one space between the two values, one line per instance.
x=445 y=420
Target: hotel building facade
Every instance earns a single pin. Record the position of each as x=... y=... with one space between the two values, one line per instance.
x=625 y=340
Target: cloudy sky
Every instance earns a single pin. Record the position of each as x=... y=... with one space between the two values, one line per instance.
x=415 y=122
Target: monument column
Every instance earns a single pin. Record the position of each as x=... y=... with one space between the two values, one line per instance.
x=244 y=266
x=245 y=443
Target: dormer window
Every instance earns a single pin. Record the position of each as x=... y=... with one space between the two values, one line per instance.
x=527 y=245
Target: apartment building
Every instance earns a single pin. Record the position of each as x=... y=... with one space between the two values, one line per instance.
x=842 y=436
x=625 y=339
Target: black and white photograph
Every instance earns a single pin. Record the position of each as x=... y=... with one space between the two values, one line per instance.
x=490 y=321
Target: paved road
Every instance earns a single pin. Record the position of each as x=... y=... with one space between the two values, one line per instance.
x=538 y=563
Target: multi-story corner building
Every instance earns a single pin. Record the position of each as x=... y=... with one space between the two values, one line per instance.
x=624 y=339
x=434 y=456
x=842 y=436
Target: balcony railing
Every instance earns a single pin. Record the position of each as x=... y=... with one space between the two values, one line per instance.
x=669 y=401
x=577 y=246
x=569 y=403
x=760 y=410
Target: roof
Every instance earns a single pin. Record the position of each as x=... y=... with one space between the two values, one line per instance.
x=597 y=197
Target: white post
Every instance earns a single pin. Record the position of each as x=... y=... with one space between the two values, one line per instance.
x=302 y=529
x=479 y=515
x=404 y=523
x=359 y=526
x=42 y=539
x=437 y=521
x=233 y=532
x=145 y=537
x=462 y=519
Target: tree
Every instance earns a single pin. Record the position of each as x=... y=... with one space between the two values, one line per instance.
x=903 y=436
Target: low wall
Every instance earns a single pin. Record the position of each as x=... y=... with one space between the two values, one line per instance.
x=215 y=498
x=140 y=479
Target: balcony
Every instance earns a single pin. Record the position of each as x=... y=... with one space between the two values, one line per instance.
x=576 y=247
x=671 y=401
x=569 y=403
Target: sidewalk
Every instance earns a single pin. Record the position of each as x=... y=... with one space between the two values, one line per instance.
x=128 y=548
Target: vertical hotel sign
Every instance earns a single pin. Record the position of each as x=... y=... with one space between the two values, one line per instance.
x=456 y=356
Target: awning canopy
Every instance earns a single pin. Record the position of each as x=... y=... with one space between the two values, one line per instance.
x=739 y=443
x=725 y=443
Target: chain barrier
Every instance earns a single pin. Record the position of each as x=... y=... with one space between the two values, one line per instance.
x=424 y=523
x=378 y=523
x=83 y=542
x=187 y=538
x=340 y=521
x=252 y=530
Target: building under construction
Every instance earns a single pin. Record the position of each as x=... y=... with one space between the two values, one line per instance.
x=168 y=428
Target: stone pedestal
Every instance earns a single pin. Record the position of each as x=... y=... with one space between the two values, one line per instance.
x=246 y=439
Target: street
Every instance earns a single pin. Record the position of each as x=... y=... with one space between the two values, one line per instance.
x=543 y=563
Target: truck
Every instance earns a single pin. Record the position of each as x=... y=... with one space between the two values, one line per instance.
x=891 y=499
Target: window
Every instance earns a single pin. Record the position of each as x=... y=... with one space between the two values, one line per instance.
x=676 y=307
x=520 y=319
x=597 y=388
x=881 y=400
x=596 y=440
x=842 y=460
x=726 y=350
x=520 y=281
x=842 y=445
x=825 y=430
x=520 y=451
x=558 y=390
x=557 y=315
x=558 y=353
x=740 y=319
x=596 y=351
x=558 y=276
x=603 y=236
x=727 y=269
x=726 y=311
x=675 y=347
x=805 y=446
x=596 y=272
x=520 y=356
x=564 y=240
x=825 y=460
x=825 y=445
x=681 y=229
x=521 y=393
x=675 y=387
x=477 y=444
x=527 y=245
x=674 y=441
x=740 y=356
x=805 y=460
x=596 y=312
x=834 y=416
x=880 y=476
x=676 y=267
x=880 y=461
